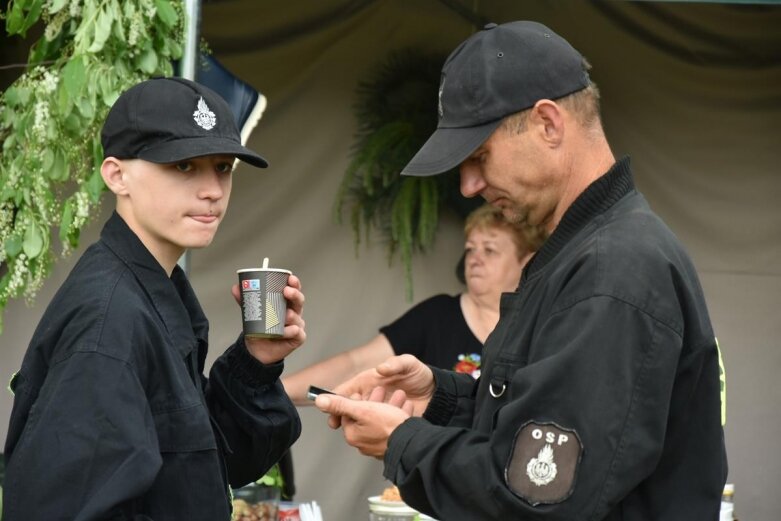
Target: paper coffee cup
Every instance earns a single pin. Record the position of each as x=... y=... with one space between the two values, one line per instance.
x=263 y=307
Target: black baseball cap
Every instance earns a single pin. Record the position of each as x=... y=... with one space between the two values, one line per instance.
x=166 y=120
x=496 y=72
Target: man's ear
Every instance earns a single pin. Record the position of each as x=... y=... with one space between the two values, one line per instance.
x=111 y=171
x=550 y=120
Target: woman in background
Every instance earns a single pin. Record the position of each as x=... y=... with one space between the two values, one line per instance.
x=446 y=331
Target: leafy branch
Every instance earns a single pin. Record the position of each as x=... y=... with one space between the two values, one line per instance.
x=50 y=119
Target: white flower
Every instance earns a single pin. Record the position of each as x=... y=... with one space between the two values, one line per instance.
x=41 y=120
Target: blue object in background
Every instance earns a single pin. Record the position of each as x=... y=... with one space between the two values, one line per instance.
x=245 y=102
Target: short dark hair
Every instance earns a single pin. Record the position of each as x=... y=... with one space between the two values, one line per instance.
x=584 y=104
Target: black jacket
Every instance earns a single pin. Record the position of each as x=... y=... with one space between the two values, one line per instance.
x=600 y=389
x=112 y=416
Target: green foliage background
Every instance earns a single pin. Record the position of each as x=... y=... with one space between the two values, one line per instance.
x=50 y=120
x=396 y=109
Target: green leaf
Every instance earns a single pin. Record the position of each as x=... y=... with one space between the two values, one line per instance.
x=15 y=20
x=18 y=22
x=148 y=61
x=24 y=95
x=36 y=6
x=56 y=5
x=95 y=185
x=121 y=68
x=74 y=76
x=9 y=142
x=272 y=478
x=33 y=241
x=73 y=237
x=11 y=96
x=13 y=246
x=72 y=123
x=23 y=123
x=59 y=169
x=118 y=26
x=40 y=49
x=16 y=95
x=166 y=13
x=86 y=108
x=102 y=30
x=428 y=212
x=175 y=48
x=47 y=160
x=97 y=154
x=66 y=221
x=107 y=90
x=64 y=102
x=110 y=98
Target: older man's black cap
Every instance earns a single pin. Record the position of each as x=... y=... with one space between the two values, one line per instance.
x=166 y=120
x=496 y=72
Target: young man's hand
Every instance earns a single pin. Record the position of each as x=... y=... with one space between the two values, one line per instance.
x=367 y=424
x=270 y=350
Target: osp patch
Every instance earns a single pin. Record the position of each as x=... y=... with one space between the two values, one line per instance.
x=543 y=463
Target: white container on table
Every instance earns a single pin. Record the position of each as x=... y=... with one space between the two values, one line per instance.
x=382 y=510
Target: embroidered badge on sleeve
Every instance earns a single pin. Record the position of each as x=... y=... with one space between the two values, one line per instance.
x=543 y=463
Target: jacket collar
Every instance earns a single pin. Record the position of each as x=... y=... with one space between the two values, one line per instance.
x=595 y=199
x=173 y=298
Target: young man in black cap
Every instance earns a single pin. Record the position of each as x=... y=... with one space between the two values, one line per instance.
x=600 y=395
x=112 y=416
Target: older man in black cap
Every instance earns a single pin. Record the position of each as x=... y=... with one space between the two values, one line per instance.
x=600 y=393
x=112 y=416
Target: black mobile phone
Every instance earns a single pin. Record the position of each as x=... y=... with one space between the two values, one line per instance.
x=314 y=392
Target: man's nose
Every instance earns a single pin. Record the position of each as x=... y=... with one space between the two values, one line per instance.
x=472 y=182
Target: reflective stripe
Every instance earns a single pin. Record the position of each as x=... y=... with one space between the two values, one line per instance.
x=722 y=386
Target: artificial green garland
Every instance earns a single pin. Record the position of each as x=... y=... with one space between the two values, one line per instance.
x=50 y=119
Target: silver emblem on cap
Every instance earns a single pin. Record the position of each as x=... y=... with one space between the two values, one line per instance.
x=204 y=117
x=439 y=101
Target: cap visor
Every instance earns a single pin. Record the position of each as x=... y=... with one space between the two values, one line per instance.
x=188 y=148
x=447 y=148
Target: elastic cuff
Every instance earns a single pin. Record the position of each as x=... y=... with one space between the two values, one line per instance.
x=248 y=369
x=445 y=400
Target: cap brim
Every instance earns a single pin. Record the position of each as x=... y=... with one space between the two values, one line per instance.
x=188 y=148
x=447 y=148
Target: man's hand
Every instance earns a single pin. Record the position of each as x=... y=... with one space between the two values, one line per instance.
x=367 y=425
x=270 y=350
x=405 y=373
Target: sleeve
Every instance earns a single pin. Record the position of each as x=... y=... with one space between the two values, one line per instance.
x=600 y=374
x=82 y=459
x=453 y=401
x=252 y=411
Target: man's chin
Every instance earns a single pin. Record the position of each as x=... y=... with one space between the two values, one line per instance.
x=197 y=243
x=513 y=215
